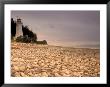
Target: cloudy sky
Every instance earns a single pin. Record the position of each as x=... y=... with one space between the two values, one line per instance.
x=63 y=28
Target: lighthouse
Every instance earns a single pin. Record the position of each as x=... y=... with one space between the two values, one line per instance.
x=19 y=31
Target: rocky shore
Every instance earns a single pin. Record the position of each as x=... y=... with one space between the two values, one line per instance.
x=32 y=60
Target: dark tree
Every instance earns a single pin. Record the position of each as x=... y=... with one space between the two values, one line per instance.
x=29 y=33
x=13 y=28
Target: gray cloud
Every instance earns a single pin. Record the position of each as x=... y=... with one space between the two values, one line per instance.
x=63 y=26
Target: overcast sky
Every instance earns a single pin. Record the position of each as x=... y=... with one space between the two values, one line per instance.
x=65 y=28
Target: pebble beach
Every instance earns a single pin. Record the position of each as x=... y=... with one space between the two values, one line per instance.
x=32 y=60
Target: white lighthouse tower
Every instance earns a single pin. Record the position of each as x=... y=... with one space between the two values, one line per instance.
x=19 y=31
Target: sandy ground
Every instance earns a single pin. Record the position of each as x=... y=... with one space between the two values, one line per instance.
x=31 y=60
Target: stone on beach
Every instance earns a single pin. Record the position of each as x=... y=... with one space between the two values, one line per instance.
x=32 y=60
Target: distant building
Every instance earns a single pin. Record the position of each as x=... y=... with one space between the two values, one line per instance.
x=19 y=31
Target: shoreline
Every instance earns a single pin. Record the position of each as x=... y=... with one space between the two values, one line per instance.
x=96 y=48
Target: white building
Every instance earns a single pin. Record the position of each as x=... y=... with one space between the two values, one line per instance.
x=19 y=31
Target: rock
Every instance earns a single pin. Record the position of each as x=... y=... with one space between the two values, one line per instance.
x=44 y=74
x=22 y=74
x=22 y=68
x=16 y=68
x=38 y=60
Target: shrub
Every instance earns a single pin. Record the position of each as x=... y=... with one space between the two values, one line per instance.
x=42 y=42
x=24 y=39
x=19 y=39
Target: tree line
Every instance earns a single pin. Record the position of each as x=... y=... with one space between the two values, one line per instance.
x=28 y=35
